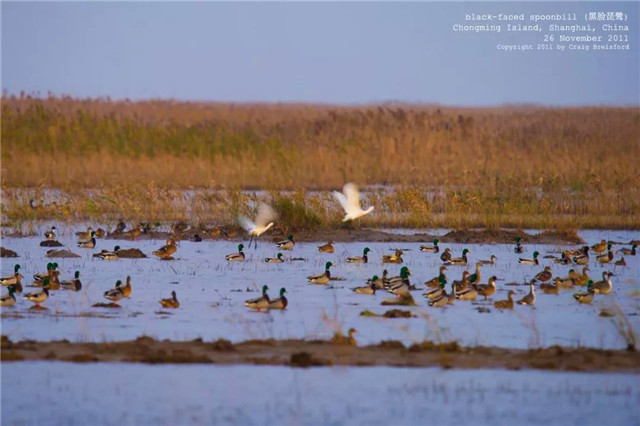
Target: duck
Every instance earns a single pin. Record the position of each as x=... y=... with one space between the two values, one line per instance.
x=492 y=260
x=377 y=282
x=463 y=283
x=444 y=299
x=437 y=292
x=360 y=259
x=488 y=289
x=629 y=252
x=518 y=249
x=195 y=238
x=63 y=253
x=563 y=260
x=259 y=303
x=446 y=255
x=435 y=281
x=431 y=249
x=601 y=246
x=604 y=286
x=469 y=293
x=475 y=277
x=582 y=258
x=74 y=284
x=563 y=282
x=165 y=252
x=148 y=227
x=533 y=261
x=340 y=339
x=39 y=277
x=394 y=258
x=400 y=285
x=177 y=228
x=585 y=297
x=277 y=259
x=370 y=288
x=126 y=290
x=15 y=279
x=607 y=257
x=171 y=302
x=51 y=234
x=109 y=255
x=582 y=279
x=281 y=302
x=88 y=244
x=85 y=236
x=326 y=248
x=119 y=292
x=322 y=278
x=544 y=275
x=39 y=297
x=349 y=199
x=100 y=233
x=621 y=262
x=9 y=299
x=505 y=304
x=286 y=244
x=548 y=288
x=236 y=257
x=529 y=298
x=133 y=233
x=459 y=260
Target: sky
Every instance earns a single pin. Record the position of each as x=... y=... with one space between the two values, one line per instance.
x=335 y=52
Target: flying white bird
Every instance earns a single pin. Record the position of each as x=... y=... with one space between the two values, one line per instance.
x=262 y=223
x=349 y=199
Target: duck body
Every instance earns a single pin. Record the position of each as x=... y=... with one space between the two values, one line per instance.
x=604 y=286
x=607 y=257
x=87 y=244
x=50 y=234
x=599 y=247
x=469 y=293
x=171 y=302
x=435 y=281
x=259 y=303
x=629 y=252
x=321 y=278
x=277 y=259
x=461 y=261
x=326 y=248
x=544 y=275
x=360 y=259
x=109 y=255
x=38 y=297
x=8 y=299
x=491 y=261
x=165 y=252
x=488 y=289
x=530 y=298
x=394 y=258
x=281 y=302
x=446 y=255
x=236 y=257
x=74 y=284
x=431 y=249
x=585 y=297
x=85 y=236
x=287 y=244
x=505 y=304
x=533 y=261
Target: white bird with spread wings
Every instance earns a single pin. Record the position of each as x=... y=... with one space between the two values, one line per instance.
x=349 y=199
x=262 y=223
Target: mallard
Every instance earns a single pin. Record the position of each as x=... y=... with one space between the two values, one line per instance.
x=488 y=289
x=446 y=255
x=463 y=283
x=435 y=281
x=277 y=259
x=606 y=258
x=400 y=285
x=621 y=262
x=582 y=279
x=518 y=248
x=263 y=222
x=475 y=277
x=133 y=233
x=15 y=279
x=469 y=293
x=349 y=199
x=601 y=246
x=436 y=292
x=165 y=252
x=563 y=260
x=370 y=288
x=236 y=257
x=548 y=288
x=100 y=233
x=88 y=244
x=358 y=259
x=41 y=276
x=109 y=255
x=340 y=339
x=629 y=252
x=544 y=275
x=604 y=286
x=171 y=302
x=582 y=258
x=492 y=260
x=533 y=261
x=73 y=284
x=529 y=298
x=459 y=260
x=9 y=299
x=119 y=292
x=563 y=282
x=377 y=282
x=281 y=302
x=505 y=304
x=431 y=249
x=85 y=236
x=286 y=244
x=444 y=298
x=148 y=227
x=38 y=297
x=326 y=248
x=394 y=258
x=585 y=297
x=322 y=278
x=51 y=234
x=259 y=303
x=577 y=252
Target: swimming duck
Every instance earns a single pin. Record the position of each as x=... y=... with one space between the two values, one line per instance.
x=604 y=286
x=582 y=258
x=582 y=279
x=459 y=260
x=444 y=299
x=370 y=288
x=9 y=299
x=518 y=248
x=178 y=227
x=529 y=298
x=395 y=258
x=475 y=277
x=505 y=304
x=446 y=255
x=85 y=236
x=148 y=227
x=400 y=285
x=544 y=275
x=277 y=259
x=100 y=233
x=259 y=303
x=15 y=279
x=38 y=297
x=548 y=288
x=431 y=249
x=322 y=278
x=629 y=252
x=326 y=248
x=621 y=262
x=435 y=281
x=119 y=292
x=563 y=260
x=171 y=302
x=281 y=302
x=41 y=276
x=585 y=297
x=286 y=244
x=563 y=282
x=463 y=283
x=606 y=258
x=377 y=282
x=436 y=292
x=340 y=339
x=108 y=255
x=133 y=233
x=165 y=252
x=236 y=257
x=50 y=234
x=600 y=247
x=88 y=244
x=488 y=289
x=358 y=259
x=74 y=284
x=469 y=293
x=533 y=261
x=492 y=260
x=63 y=253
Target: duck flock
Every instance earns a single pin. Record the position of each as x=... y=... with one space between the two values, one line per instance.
x=439 y=290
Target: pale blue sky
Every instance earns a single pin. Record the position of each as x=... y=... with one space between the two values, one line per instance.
x=303 y=52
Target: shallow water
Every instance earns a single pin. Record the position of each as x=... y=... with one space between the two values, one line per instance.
x=105 y=394
x=212 y=291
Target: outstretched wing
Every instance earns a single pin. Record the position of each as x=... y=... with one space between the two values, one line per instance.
x=246 y=223
x=341 y=199
x=353 y=196
x=265 y=214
